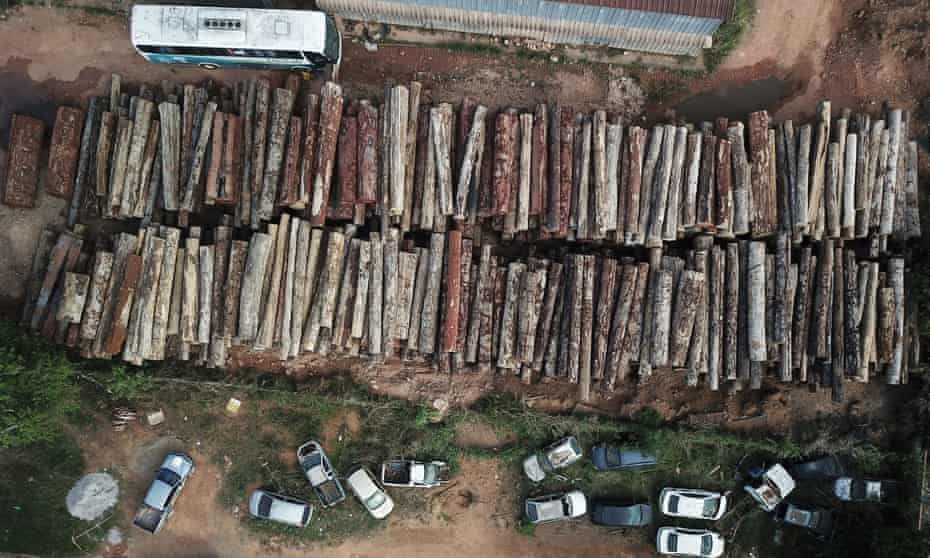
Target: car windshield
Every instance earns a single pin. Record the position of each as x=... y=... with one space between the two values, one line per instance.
x=429 y=474
x=673 y=504
x=707 y=543
x=711 y=505
x=264 y=505
x=314 y=459
x=375 y=500
x=168 y=477
x=612 y=456
x=673 y=543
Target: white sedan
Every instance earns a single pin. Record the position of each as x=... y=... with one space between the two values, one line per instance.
x=366 y=488
x=678 y=541
x=556 y=507
x=692 y=503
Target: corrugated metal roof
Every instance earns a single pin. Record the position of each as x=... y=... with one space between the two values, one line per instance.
x=717 y=9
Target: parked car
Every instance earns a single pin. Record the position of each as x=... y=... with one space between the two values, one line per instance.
x=692 y=503
x=160 y=498
x=769 y=489
x=608 y=458
x=619 y=514
x=279 y=508
x=558 y=455
x=369 y=492
x=828 y=467
x=852 y=489
x=556 y=507
x=416 y=474
x=678 y=541
x=818 y=520
x=320 y=473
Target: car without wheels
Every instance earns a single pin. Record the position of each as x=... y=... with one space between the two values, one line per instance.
x=414 y=474
x=555 y=507
x=279 y=508
x=851 y=489
x=773 y=486
x=692 y=503
x=320 y=473
x=556 y=456
x=678 y=541
x=159 y=500
x=818 y=520
x=828 y=467
x=609 y=458
x=369 y=492
x=619 y=514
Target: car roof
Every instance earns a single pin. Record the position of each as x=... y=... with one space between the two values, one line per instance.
x=284 y=508
x=362 y=482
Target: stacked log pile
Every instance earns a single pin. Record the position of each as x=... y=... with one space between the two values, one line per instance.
x=770 y=249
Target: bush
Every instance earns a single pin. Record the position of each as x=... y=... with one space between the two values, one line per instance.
x=727 y=36
x=37 y=391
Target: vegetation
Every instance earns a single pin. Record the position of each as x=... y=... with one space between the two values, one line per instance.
x=37 y=391
x=480 y=49
x=727 y=36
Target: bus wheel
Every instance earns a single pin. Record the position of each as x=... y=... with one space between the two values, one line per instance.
x=208 y=66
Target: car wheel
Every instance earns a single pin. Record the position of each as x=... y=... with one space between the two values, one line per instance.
x=208 y=66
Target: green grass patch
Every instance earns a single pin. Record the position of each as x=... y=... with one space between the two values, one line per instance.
x=33 y=517
x=479 y=49
x=728 y=35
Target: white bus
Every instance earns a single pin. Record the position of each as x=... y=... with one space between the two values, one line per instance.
x=235 y=38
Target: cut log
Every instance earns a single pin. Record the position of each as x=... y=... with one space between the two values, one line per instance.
x=397 y=118
x=288 y=193
x=22 y=169
x=676 y=185
x=483 y=284
x=620 y=324
x=742 y=179
x=367 y=153
x=694 y=150
x=606 y=286
x=848 y=197
x=715 y=317
x=587 y=315
x=206 y=296
x=190 y=306
x=188 y=199
x=63 y=152
x=238 y=255
x=345 y=196
x=441 y=122
x=581 y=208
x=345 y=307
x=406 y=277
x=330 y=120
x=117 y=179
x=885 y=330
x=896 y=283
x=389 y=317
x=831 y=190
x=689 y=295
x=660 y=190
x=599 y=204
x=632 y=228
x=505 y=153
x=123 y=298
x=508 y=324
x=453 y=268
x=410 y=151
x=724 y=193
x=426 y=202
x=124 y=247
x=252 y=285
x=614 y=144
x=662 y=320
x=376 y=296
x=281 y=108
x=539 y=173
x=174 y=312
x=566 y=165
x=320 y=324
x=419 y=295
x=549 y=315
x=704 y=211
x=756 y=303
x=525 y=168
x=731 y=312
x=764 y=200
x=90 y=320
x=271 y=292
x=554 y=186
x=697 y=352
x=648 y=178
x=131 y=187
x=429 y=320
x=360 y=309
x=166 y=286
x=890 y=185
x=529 y=309
x=104 y=154
x=823 y=302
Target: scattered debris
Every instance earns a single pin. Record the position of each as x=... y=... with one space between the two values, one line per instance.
x=155 y=418
x=232 y=407
x=92 y=496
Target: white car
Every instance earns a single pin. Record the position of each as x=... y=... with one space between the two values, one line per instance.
x=692 y=503
x=560 y=454
x=678 y=541
x=556 y=507
x=366 y=488
x=280 y=508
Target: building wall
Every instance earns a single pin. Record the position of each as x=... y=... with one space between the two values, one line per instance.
x=556 y=22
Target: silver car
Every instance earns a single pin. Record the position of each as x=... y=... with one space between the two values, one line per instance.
x=369 y=492
x=556 y=507
x=558 y=455
x=692 y=503
x=280 y=508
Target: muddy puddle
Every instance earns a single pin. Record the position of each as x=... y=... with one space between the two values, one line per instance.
x=734 y=101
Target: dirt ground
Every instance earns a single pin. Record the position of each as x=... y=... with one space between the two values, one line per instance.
x=859 y=53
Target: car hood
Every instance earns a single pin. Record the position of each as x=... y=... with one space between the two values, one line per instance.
x=599 y=457
x=178 y=463
x=533 y=468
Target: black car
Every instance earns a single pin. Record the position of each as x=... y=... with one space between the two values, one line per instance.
x=621 y=514
x=817 y=520
x=608 y=458
x=828 y=467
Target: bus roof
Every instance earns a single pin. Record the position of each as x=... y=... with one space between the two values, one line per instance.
x=163 y=25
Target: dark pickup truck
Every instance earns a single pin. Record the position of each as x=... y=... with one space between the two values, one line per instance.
x=320 y=473
x=161 y=495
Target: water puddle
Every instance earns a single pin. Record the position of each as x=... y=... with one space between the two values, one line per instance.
x=734 y=101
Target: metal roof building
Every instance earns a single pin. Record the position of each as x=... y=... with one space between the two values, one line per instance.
x=676 y=27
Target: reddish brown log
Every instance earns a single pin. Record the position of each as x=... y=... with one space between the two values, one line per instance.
x=367 y=145
x=764 y=202
x=633 y=181
x=22 y=169
x=346 y=169
x=230 y=178
x=539 y=160
x=308 y=154
x=567 y=142
x=63 y=153
x=505 y=155
x=330 y=119
x=124 y=295
x=289 y=194
x=450 y=327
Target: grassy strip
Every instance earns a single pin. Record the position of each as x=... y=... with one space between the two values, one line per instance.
x=728 y=35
